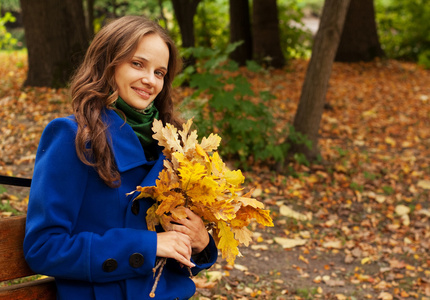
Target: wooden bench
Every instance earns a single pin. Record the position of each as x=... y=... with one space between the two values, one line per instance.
x=14 y=267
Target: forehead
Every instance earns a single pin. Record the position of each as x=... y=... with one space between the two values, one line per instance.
x=153 y=48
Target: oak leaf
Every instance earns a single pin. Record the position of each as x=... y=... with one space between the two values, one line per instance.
x=195 y=177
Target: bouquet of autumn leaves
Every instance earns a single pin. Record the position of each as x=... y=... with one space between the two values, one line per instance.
x=194 y=176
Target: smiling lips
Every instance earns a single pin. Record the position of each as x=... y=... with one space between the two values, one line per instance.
x=142 y=93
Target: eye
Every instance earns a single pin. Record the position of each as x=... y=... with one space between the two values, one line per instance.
x=160 y=74
x=136 y=64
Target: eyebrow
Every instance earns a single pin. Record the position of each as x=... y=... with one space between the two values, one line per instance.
x=142 y=58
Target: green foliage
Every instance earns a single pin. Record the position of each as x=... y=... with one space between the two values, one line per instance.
x=149 y=8
x=404 y=29
x=10 y=5
x=224 y=103
x=296 y=41
x=6 y=39
x=424 y=59
x=209 y=29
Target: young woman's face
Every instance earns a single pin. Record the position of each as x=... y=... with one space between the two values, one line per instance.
x=141 y=79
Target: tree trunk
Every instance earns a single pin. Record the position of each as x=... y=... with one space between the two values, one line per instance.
x=90 y=18
x=185 y=11
x=314 y=89
x=240 y=30
x=359 y=40
x=266 y=36
x=56 y=39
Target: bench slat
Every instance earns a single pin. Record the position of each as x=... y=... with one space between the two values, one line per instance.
x=12 y=262
x=39 y=289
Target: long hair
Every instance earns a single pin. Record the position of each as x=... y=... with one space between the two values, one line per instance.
x=93 y=89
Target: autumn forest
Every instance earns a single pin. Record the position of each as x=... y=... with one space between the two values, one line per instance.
x=329 y=128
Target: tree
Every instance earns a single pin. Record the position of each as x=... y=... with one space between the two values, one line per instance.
x=240 y=30
x=184 y=12
x=359 y=40
x=266 y=36
x=56 y=39
x=309 y=112
x=90 y=18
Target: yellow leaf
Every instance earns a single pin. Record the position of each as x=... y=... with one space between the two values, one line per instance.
x=385 y=296
x=289 y=243
x=179 y=213
x=288 y=212
x=390 y=141
x=303 y=259
x=366 y=260
x=169 y=202
x=189 y=140
x=261 y=216
x=234 y=177
x=425 y=184
x=202 y=152
x=152 y=219
x=243 y=235
x=402 y=210
x=171 y=135
x=205 y=191
x=210 y=143
x=239 y=223
x=250 y=201
x=333 y=244
x=227 y=243
x=190 y=173
x=146 y=192
x=224 y=210
x=217 y=164
x=157 y=128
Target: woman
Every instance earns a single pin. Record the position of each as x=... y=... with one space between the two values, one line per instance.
x=82 y=228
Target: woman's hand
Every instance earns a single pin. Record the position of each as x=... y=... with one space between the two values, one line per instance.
x=193 y=227
x=176 y=245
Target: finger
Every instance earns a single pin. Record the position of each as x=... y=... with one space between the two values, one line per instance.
x=181 y=228
x=190 y=214
x=186 y=262
x=184 y=254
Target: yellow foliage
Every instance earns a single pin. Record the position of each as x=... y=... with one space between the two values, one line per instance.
x=227 y=243
x=195 y=176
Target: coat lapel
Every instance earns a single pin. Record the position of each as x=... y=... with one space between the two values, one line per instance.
x=127 y=149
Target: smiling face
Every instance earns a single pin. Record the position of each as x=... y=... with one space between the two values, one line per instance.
x=141 y=78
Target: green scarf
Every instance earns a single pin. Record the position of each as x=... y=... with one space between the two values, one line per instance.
x=141 y=122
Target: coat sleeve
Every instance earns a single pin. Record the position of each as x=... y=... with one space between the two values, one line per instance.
x=206 y=258
x=51 y=245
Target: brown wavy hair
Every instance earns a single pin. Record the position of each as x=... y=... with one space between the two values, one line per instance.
x=93 y=89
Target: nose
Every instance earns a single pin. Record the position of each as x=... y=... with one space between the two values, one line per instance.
x=148 y=78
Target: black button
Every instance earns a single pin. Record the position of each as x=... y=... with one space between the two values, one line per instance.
x=136 y=260
x=110 y=265
x=135 y=207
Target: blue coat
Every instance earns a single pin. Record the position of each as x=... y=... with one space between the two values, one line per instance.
x=92 y=238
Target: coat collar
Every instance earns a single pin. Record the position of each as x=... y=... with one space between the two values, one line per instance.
x=126 y=147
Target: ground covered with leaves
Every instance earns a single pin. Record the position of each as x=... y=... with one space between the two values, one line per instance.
x=354 y=226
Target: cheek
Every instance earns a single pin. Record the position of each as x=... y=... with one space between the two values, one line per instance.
x=160 y=86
